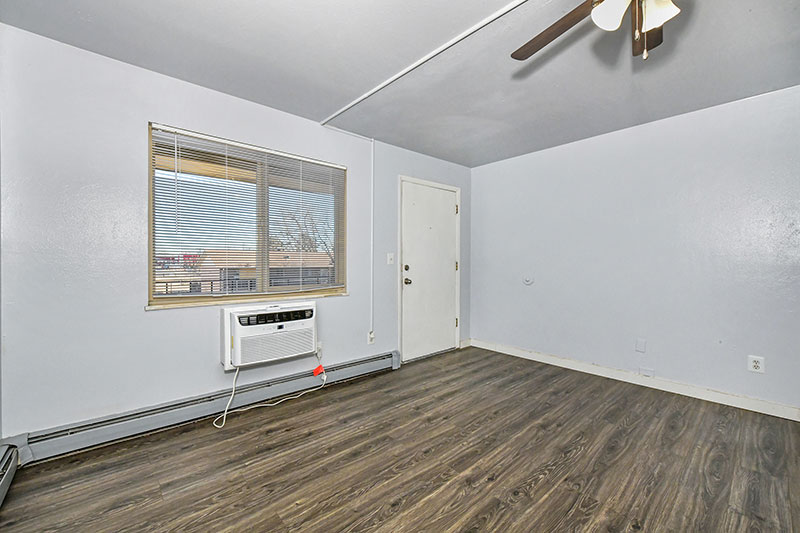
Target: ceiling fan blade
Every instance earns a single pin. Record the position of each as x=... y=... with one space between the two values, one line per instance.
x=658 y=12
x=555 y=31
x=609 y=16
x=654 y=37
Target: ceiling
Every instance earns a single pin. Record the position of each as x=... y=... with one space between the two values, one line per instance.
x=471 y=104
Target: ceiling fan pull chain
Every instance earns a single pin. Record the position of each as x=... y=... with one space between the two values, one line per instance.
x=636 y=34
x=645 y=54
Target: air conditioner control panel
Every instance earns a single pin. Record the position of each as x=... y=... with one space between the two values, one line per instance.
x=275 y=318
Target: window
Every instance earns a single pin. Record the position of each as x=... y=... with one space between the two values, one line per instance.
x=234 y=221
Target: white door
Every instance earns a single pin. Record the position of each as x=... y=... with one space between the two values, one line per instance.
x=428 y=268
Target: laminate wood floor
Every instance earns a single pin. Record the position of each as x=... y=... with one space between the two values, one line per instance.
x=466 y=441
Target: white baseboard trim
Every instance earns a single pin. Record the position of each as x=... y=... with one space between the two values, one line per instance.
x=465 y=343
x=743 y=402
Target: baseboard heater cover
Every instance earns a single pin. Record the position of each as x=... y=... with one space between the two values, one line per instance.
x=9 y=458
x=41 y=445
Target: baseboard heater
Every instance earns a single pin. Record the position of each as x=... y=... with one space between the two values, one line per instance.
x=9 y=458
x=41 y=445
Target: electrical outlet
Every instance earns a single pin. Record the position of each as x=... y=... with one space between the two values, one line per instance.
x=390 y=258
x=647 y=372
x=755 y=364
x=371 y=337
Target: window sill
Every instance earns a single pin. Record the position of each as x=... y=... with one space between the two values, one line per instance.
x=224 y=300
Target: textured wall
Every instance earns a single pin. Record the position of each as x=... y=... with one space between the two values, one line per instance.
x=77 y=343
x=685 y=232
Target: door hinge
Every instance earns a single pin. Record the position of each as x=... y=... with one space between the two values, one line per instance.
x=456 y=265
x=456 y=209
x=456 y=322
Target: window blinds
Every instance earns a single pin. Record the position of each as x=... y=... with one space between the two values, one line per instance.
x=233 y=219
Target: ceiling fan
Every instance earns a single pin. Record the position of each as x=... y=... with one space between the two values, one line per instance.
x=647 y=21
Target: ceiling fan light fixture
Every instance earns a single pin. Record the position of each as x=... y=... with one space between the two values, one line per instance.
x=608 y=15
x=657 y=12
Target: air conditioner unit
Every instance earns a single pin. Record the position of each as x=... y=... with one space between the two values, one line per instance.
x=261 y=334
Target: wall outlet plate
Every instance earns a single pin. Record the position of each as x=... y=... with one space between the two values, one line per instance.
x=371 y=337
x=390 y=258
x=641 y=345
x=756 y=364
x=647 y=372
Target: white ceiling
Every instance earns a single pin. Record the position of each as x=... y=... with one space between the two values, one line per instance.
x=472 y=104
x=308 y=58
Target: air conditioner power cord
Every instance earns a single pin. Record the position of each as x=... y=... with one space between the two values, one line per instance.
x=224 y=415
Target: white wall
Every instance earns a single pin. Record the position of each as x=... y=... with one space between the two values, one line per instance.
x=76 y=341
x=684 y=231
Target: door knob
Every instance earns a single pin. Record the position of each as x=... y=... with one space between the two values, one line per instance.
x=407 y=281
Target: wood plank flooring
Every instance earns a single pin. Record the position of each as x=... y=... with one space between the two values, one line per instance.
x=466 y=441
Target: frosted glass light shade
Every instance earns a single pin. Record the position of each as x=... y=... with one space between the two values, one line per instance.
x=656 y=13
x=608 y=15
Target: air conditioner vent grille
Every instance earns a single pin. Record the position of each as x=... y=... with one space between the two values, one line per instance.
x=260 y=348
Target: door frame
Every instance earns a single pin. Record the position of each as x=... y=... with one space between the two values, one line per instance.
x=435 y=185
